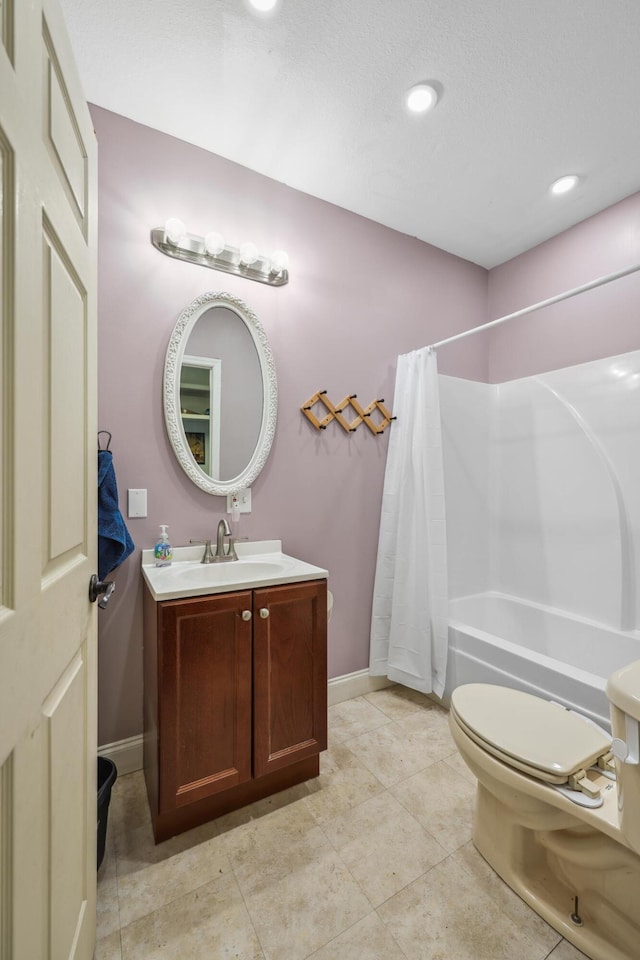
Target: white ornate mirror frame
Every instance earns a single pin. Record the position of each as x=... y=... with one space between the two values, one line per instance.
x=171 y=392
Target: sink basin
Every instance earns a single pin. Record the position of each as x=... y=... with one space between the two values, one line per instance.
x=238 y=571
x=260 y=564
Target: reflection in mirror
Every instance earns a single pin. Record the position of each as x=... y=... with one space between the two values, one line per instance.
x=199 y=400
x=231 y=421
x=220 y=393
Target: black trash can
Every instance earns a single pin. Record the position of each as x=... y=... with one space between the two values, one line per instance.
x=107 y=774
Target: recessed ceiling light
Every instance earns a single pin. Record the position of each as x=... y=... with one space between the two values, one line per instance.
x=421 y=98
x=564 y=184
x=263 y=5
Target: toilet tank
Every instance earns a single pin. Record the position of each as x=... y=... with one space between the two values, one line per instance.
x=623 y=691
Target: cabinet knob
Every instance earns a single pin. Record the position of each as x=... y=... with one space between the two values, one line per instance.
x=264 y=613
x=246 y=614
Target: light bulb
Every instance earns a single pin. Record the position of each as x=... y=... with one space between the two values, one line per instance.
x=214 y=243
x=564 y=184
x=421 y=98
x=263 y=5
x=279 y=261
x=174 y=230
x=248 y=253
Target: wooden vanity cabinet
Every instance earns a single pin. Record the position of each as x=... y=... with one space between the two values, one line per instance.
x=235 y=699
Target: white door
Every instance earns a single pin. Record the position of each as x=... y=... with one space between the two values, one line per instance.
x=47 y=493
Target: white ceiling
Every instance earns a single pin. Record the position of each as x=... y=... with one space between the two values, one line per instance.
x=311 y=95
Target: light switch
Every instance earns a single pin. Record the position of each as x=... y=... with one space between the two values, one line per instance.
x=137 y=503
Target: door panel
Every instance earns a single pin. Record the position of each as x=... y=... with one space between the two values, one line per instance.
x=7 y=190
x=204 y=699
x=290 y=674
x=65 y=750
x=6 y=26
x=6 y=854
x=48 y=496
x=64 y=427
x=62 y=133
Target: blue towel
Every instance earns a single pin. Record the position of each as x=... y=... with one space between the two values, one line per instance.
x=114 y=542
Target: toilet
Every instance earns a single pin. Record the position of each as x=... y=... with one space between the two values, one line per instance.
x=557 y=810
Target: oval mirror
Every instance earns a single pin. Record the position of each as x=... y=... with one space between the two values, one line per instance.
x=220 y=393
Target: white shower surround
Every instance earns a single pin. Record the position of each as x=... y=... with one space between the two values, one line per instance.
x=549 y=654
x=542 y=483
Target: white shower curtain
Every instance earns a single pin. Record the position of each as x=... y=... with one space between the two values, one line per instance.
x=410 y=603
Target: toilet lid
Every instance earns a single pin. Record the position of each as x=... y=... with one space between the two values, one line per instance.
x=531 y=732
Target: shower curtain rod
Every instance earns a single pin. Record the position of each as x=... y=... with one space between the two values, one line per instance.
x=538 y=306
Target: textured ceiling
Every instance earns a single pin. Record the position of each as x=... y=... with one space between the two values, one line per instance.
x=311 y=95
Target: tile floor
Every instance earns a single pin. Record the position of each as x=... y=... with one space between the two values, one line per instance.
x=371 y=861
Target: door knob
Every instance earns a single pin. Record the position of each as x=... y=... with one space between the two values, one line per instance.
x=264 y=613
x=246 y=614
x=99 y=587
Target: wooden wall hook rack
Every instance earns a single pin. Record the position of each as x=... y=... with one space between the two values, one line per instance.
x=335 y=411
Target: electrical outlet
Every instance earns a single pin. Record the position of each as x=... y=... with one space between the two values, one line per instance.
x=244 y=500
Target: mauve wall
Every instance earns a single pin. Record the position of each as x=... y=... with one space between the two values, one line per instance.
x=359 y=295
x=599 y=323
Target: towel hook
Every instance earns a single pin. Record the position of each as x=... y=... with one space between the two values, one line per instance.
x=108 y=441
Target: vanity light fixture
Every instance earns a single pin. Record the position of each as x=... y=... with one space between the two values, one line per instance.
x=213 y=243
x=564 y=184
x=214 y=252
x=421 y=98
x=248 y=253
x=175 y=230
x=279 y=261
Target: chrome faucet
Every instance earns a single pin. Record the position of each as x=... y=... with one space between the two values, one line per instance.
x=207 y=556
x=223 y=531
x=220 y=556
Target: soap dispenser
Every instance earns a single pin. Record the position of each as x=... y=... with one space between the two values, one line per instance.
x=163 y=552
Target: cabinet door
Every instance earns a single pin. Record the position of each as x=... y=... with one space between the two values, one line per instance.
x=204 y=697
x=290 y=674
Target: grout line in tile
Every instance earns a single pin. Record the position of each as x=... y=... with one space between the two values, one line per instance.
x=118 y=902
x=355 y=880
x=246 y=906
x=549 y=956
x=386 y=926
x=188 y=893
x=409 y=882
x=310 y=956
x=470 y=873
x=389 y=718
x=428 y=832
x=415 y=880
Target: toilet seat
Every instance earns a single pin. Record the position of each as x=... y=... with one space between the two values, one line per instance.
x=535 y=736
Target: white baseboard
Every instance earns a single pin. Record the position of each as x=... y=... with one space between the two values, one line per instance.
x=354 y=685
x=127 y=754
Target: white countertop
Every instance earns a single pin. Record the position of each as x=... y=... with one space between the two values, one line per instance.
x=260 y=563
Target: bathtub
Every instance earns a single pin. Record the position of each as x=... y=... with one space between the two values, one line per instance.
x=494 y=638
